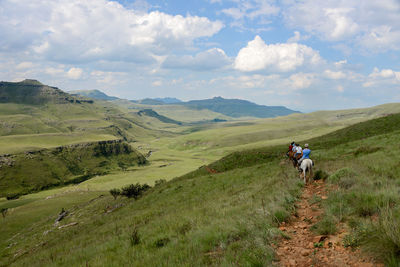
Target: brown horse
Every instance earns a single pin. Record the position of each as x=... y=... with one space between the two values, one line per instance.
x=293 y=158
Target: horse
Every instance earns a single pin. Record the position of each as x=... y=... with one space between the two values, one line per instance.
x=306 y=166
x=293 y=158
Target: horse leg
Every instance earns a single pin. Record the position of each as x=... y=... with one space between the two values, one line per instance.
x=305 y=177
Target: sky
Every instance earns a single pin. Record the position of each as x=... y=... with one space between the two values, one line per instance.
x=306 y=55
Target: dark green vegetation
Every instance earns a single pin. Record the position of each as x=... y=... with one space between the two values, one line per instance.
x=37 y=170
x=96 y=94
x=238 y=108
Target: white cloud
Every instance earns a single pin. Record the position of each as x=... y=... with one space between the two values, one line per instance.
x=340 y=88
x=157 y=83
x=251 y=10
x=334 y=75
x=211 y=59
x=54 y=71
x=382 y=77
x=282 y=57
x=74 y=73
x=97 y=29
x=301 y=80
x=374 y=25
x=24 y=65
x=295 y=38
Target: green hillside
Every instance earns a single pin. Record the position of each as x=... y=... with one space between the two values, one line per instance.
x=96 y=94
x=37 y=170
x=35 y=116
x=228 y=212
x=34 y=93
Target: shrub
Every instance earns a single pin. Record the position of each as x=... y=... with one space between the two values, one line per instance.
x=159 y=182
x=134 y=190
x=13 y=196
x=115 y=192
x=320 y=174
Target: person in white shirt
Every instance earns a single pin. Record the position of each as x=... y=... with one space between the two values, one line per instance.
x=299 y=150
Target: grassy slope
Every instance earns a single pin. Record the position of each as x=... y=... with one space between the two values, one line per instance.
x=29 y=172
x=225 y=218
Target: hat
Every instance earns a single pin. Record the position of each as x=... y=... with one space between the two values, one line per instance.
x=306 y=145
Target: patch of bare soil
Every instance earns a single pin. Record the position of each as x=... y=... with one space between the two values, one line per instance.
x=303 y=248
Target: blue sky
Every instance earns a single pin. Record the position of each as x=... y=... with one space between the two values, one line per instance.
x=306 y=55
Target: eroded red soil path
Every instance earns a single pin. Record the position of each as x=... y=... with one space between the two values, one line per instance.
x=303 y=248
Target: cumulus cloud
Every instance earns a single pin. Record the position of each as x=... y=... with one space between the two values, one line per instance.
x=382 y=77
x=211 y=59
x=74 y=73
x=374 y=25
x=97 y=29
x=334 y=75
x=257 y=55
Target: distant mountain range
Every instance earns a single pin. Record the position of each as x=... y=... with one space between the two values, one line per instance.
x=96 y=94
x=230 y=107
x=239 y=108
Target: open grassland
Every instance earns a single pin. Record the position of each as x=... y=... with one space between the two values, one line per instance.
x=175 y=222
x=200 y=218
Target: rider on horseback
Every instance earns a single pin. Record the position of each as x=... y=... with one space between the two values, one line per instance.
x=306 y=154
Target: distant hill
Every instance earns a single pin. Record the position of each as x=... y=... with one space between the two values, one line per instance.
x=34 y=93
x=157 y=101
x=152 y=113
x=96 y=94
x=169 y=100
x=238 y=108
x=148 y=101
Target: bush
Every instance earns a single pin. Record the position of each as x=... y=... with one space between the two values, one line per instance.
x=13 y=196
x=134 y=190
x=159 y=182
x=115 y=192
x=320 y=174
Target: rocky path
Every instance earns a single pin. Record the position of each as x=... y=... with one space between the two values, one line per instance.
x=304 y=248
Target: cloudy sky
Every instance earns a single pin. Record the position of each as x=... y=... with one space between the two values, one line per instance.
x=306 y=55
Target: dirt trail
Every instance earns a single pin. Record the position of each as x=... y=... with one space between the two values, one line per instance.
x=304 y=248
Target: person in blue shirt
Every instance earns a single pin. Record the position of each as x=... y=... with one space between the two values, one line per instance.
x=306 y=154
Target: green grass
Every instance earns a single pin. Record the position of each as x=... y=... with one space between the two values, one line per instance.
x=221 y=219
x=29 y=172
x=362 y=162
x=217 y=219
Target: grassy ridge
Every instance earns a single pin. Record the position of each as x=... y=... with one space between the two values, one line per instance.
x=37 y=170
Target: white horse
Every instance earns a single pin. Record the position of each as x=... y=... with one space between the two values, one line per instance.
x=306 y=166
